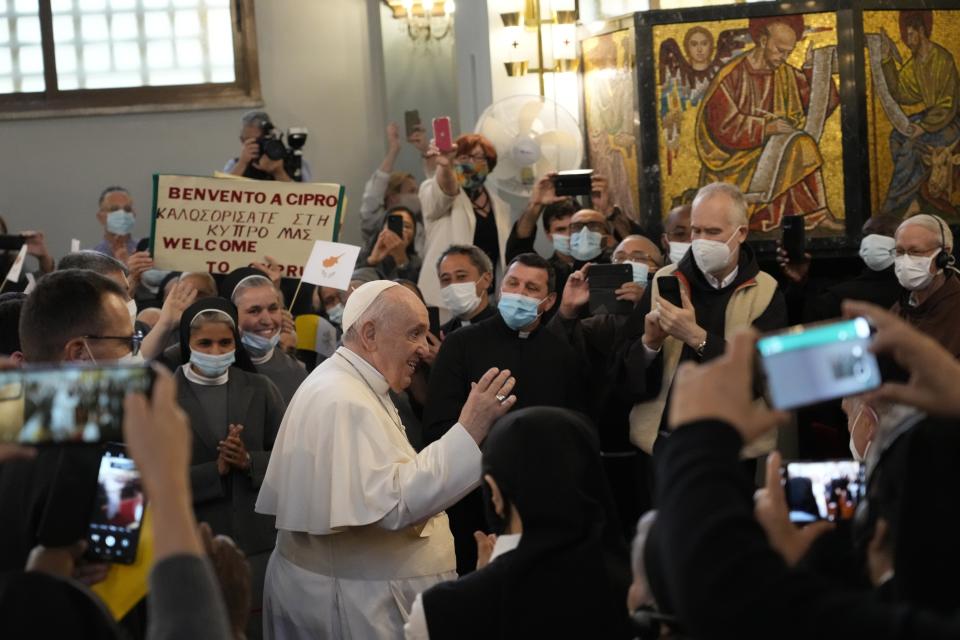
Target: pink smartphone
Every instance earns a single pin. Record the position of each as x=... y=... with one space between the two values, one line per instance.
x=442 y=134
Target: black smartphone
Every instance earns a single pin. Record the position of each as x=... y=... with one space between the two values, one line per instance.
x=73 y=404
x=604 y=281
x=794 y=240
x=395 y=224
x=823 y=490
x=809 y=364
x=434 y=314
x=573 y=183
x=668 y=288
x=12 y=242
x=144 y=244
x=411 y=121
x=114 y=532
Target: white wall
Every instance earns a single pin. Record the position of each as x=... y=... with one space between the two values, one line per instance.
x=418 y=75
x=318 y=68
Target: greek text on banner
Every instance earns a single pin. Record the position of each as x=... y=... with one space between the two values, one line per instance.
x=218 y=225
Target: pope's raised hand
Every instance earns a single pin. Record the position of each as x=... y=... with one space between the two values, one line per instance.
x=488 y=400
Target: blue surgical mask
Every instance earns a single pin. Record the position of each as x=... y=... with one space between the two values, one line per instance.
x=120 y=222
x=211 y=366
x=641 y=272
x=561 y=244
x=258 y=346
x=335 y=313
x=586 y=244
x=517 y=310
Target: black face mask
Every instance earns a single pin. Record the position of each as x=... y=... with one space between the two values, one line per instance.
x=497 y=523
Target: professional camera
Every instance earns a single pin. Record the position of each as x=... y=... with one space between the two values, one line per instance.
x=272 y=146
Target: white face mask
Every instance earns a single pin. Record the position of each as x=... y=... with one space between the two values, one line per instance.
x=678 y=250
x=460 y=298
x=712 y=256
x=853 y=447
x=913 y=272
x=876 y=251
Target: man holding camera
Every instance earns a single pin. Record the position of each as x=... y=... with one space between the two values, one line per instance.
x=256 y=130
x=720 y=289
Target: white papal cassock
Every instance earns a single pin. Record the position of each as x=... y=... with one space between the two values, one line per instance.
x=359 y=514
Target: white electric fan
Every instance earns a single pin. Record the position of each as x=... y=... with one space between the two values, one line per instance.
x=533 y=136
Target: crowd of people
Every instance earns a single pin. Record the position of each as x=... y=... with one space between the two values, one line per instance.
x=531 y=466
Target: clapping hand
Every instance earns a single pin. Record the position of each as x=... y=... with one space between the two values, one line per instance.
x=233 y=453
x=489 y=399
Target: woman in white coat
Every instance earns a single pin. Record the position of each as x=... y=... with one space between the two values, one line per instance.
x=459 y=209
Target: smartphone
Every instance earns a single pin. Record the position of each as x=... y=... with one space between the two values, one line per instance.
x=794 y=239
x=73 y=404
x=11 y=242
x=668 y=288
x=805 y=365
x=443 y=134
x=411 y=120
x=144 y=244
x=577 y=182
x=434 y=314
x=395 y=224
x=823 y=490
x=114 y=531
x=604 y=281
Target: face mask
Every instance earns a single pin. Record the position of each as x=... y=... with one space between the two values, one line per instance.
x=461 y=298
x=585 y=244
x=561 y=244
x=131 y=358
x=641 y=272
x=877 y=251
x=258 y=345
x=409 y=201
x=120 y=222
x=471 y=175
x=517 y=310
x=335 y=313
x=913 y=272
x=678 y=250
x=132 y=310
x=153 y=277
x=853 y=448
x=711 y=255
x=211 y=366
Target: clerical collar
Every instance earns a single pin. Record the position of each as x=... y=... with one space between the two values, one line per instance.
x=505 y=544
x=726 y=282
x=367 y=370
x=265 y=358
x=196 y=378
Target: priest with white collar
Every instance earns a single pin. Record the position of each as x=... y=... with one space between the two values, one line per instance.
x=359 y=513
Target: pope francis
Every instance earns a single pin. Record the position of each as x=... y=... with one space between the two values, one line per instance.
x=359 y=513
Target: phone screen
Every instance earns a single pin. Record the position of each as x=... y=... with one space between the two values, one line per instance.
x=433 y=313
x=807 y=365
x=826 y=490
x=118 y=511
x=668 y=288
x=68 y=405
x=411 y=121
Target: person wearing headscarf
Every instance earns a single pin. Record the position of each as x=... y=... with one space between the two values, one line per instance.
x=260 y=316
x=559 y=568
x=235 y=414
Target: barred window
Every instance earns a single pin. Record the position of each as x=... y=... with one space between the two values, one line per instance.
x=125 y=55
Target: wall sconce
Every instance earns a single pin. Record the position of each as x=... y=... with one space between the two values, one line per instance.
x=425 y=20
x=527 y=31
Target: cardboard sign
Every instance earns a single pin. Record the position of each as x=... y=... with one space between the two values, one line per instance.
x=217 y=225
x=331 y=264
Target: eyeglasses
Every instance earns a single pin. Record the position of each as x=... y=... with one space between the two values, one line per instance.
x=134 y=340
x=598 y=227
x=474 y=157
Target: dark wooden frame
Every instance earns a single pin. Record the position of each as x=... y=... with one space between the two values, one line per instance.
x=853 y=123
x=244 y=91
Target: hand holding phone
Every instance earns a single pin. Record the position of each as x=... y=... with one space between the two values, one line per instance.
x=411 y=120
x=443 y=135
x=395 y=224
x=118 y=511
x=668 y=288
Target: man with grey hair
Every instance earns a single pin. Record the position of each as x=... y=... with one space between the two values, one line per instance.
x=924 y=266
x=359 y=513
x=465 y=274
x=721 y=290
x=253 y=125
